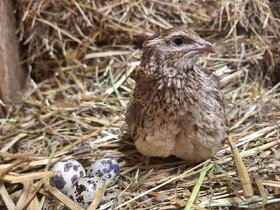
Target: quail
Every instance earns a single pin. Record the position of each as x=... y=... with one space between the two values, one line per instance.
x=177 y=107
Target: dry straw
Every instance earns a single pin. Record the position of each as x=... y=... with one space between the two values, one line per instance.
x=81 y=54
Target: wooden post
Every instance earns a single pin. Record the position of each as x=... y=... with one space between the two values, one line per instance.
x=12 y=76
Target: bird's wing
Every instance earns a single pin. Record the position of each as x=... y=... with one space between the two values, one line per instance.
x=132 y=117
x=218 y=96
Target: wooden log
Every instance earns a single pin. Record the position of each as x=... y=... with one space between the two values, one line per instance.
x=13 y=78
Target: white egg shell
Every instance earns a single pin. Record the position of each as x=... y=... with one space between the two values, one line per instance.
x=67 y=172
x=106 y=168
x=84 y=190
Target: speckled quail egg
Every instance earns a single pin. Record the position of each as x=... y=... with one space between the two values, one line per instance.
x=67 y=172
x=106 y=168
x=85 y=190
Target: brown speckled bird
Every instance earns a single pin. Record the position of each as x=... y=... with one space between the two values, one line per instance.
x=177 y=107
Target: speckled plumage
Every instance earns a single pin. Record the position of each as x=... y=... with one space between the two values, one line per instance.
x=177 y=107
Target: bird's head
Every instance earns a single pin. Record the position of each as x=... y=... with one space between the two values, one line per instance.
x=175 y=47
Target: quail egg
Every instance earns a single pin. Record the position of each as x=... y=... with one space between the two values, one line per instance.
x=85 y=190
x=106 y=168
x=67 y=172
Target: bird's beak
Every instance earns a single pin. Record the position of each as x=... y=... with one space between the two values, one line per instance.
x=202 y=46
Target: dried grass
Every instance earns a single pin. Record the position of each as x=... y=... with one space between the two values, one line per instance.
x=81 y=54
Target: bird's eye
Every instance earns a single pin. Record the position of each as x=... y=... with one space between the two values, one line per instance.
x=178 y=41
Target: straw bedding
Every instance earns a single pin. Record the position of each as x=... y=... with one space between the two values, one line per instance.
x=80 y=55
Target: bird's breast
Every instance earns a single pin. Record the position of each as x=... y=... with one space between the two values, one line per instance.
x=167 y=96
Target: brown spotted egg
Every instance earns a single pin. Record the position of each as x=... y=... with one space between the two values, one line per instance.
x=85 y=190
x=106 y=168
x=67 y=172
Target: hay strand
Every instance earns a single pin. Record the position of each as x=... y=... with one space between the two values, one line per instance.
x=242 y=170
x=198 y=184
